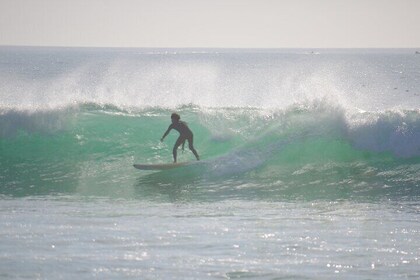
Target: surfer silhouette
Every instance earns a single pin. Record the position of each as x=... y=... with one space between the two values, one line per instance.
x=184 y=134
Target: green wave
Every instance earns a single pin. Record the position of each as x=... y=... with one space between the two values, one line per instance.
x=247 y=153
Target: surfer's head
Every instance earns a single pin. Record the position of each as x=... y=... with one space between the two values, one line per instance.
x=175 y=117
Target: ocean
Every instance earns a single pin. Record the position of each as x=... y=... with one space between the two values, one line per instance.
x=310 y=164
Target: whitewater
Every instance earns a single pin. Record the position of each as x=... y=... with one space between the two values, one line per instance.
x=310 y=163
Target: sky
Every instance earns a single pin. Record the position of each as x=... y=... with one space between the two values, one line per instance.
x=211 y=23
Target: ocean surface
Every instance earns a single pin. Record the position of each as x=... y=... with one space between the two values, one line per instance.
x=310 y=164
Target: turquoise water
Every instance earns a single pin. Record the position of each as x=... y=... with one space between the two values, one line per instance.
x=310 y=164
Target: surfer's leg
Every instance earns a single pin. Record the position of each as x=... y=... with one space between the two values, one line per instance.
x=177 y=144
x=191 y=146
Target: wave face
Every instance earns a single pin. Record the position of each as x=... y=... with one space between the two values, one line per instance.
x=268 y=125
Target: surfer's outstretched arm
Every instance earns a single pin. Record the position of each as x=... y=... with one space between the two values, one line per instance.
x=166 y=133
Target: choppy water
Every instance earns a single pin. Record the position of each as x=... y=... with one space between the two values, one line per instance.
x=310 y=164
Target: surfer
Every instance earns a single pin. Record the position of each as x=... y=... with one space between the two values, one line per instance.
x=184 y=134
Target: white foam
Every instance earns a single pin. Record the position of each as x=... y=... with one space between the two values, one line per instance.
x=397 y=132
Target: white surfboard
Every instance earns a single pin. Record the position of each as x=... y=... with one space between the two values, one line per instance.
x=160 y=166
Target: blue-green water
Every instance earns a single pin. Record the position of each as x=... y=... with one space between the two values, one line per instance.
x=310 y=164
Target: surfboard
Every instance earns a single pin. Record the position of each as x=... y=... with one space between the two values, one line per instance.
x=160 y=166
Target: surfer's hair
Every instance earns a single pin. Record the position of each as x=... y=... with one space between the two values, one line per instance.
x=175 y=116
